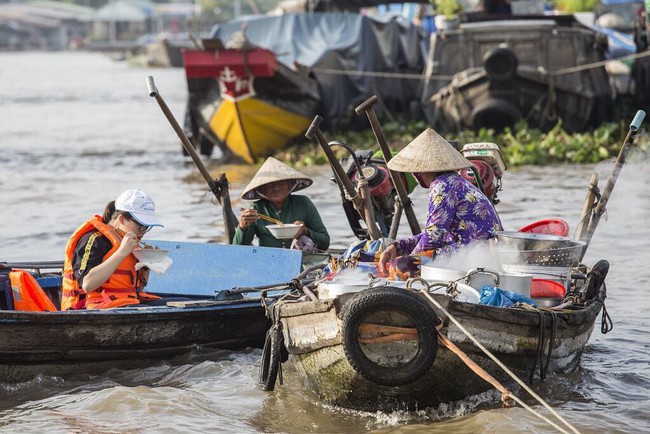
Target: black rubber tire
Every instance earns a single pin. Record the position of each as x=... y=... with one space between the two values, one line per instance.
x=494 y=113
x=407 y=303
x=271 y=358
x=500 y=64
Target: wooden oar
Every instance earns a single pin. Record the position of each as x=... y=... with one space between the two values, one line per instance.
x=400 y=188
x=611 y=181
x=220 y=189
x=267 y=218
x=141 y=243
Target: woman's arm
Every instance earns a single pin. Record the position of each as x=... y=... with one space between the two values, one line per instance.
x=102 y=272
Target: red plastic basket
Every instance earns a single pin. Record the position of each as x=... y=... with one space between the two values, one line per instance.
x=547 y=289
x=557 y=227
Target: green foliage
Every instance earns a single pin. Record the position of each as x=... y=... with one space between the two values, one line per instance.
x=576 y=5
x=448 y=8
x=520 y=145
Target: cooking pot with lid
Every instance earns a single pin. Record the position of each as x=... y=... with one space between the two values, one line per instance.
x=479 y=277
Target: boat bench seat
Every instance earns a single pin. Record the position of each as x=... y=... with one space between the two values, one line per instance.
x=208 y=268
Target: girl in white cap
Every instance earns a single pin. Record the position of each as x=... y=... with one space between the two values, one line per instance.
x=99 y=268
x=272 y=186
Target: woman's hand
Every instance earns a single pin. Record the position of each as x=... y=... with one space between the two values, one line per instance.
x=128 y=244
x=386 y=256
x=248 y=217
x=303 y=229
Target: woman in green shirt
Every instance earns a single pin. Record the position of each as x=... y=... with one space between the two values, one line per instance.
x=272 y=186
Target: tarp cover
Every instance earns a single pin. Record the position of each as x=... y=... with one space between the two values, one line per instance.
x=345 y=43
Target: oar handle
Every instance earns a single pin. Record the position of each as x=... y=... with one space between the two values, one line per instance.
x=638 y=119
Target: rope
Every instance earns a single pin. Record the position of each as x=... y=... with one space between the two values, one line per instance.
x=540 y=347
x=493 y=357
x=606 y=323
x=420 y=76
x=410 y=76
x=551 y=343
x=599 y=64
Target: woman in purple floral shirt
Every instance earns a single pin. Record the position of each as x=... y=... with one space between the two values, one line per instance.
x=458 y=211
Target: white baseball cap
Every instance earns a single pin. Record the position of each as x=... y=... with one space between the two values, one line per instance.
x=140 y=205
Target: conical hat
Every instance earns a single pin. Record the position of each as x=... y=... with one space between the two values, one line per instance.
x=428 y=152
x=272 y=171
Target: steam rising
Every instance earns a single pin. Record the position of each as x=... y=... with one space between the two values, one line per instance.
x=476 y=254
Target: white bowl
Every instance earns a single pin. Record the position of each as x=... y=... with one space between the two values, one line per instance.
x=285 y=232
x=150 y=255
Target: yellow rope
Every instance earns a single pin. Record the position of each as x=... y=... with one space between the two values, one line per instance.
x=424 y=290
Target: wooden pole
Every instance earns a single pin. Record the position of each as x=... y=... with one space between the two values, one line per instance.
x=223 y=196
x=587 y=208
x=357 y=199
x=611 y=181
x=407 y=205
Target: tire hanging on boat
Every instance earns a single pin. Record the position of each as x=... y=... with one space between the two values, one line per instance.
x=271 y=358
x=415 y=314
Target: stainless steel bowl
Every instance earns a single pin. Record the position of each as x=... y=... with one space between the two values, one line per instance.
x=512 y=240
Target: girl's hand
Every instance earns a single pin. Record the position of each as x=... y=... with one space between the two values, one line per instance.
x=128 y=244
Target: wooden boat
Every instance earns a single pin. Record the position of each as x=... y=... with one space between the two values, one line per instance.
x=253 y=108
x=376 y=348
x=253 y=88
x=86 y=341
x=505 y=71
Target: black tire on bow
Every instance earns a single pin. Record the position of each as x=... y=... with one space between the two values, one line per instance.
x=494 y=113
x=402 y=308
x=271 y=358
x=500 y=64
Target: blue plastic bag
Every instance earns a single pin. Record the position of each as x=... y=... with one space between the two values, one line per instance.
x=495 y=296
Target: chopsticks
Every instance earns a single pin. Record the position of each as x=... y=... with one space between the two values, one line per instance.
x=141 y=243
x=267 y=218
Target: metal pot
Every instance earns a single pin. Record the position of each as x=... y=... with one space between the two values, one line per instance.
x=329 y=289
x=479 y=277
x=515 y=282
x=548 y=301
x=440 y=274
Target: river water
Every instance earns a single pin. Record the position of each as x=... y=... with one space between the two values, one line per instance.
x=77 y=129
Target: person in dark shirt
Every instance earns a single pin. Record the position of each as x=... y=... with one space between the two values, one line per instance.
x=273 y=186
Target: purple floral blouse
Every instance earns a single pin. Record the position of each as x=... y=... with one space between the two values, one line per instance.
x=458 y=214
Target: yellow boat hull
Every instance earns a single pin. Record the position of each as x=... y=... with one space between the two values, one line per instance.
x=252 y=128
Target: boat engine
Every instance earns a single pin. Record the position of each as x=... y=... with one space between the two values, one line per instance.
x=381 y=188
x=489 y=166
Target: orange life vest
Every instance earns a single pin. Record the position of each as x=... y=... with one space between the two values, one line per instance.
x=118 y=290
x=28 y=294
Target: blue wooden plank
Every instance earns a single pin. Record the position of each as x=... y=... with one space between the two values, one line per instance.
x=203 y=268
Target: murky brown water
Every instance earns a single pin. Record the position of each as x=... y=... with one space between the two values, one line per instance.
x=76 y=129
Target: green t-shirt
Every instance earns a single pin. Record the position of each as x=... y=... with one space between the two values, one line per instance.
x=294 y=208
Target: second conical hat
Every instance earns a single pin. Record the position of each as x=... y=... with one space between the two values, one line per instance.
x=428 y=152
x=272 y=171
